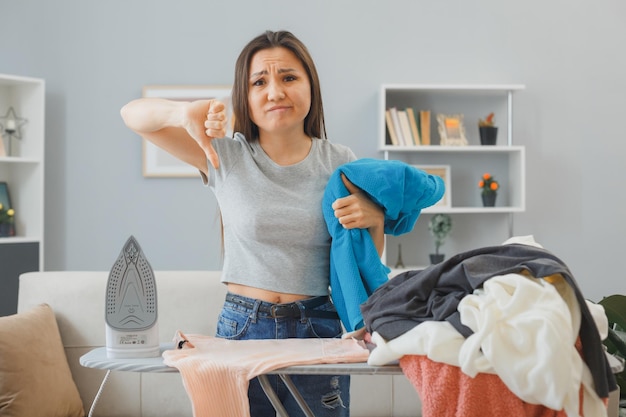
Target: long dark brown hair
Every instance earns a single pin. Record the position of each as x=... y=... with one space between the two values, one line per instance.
x=314 y=122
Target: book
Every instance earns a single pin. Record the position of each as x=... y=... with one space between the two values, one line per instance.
x=396 y=126
x=406 y=128
x=425 y=126
x=390 y=128
x=414 y=129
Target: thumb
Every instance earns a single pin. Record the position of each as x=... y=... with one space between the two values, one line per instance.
x=216 y=106
x=353 y=189
x=211 y=155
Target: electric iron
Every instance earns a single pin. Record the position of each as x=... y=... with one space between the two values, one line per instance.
x=131 y=306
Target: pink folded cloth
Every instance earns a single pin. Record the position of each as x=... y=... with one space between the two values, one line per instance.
x=216 y=372
x=446 y=391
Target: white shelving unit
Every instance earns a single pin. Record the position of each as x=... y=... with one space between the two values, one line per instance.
x=23 y=171
x=505 y=161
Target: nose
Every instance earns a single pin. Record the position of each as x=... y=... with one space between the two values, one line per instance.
x=275 y=92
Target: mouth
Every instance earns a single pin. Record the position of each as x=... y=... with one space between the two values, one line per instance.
x=277 y=108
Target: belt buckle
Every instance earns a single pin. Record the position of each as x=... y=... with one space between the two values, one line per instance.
x=274 y=310
x=279 y=310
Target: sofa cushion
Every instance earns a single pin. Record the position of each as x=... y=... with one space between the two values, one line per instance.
x=35 y=379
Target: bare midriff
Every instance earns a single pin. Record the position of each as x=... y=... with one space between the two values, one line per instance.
x=265 y=295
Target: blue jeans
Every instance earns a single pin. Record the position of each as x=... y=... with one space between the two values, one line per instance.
x=326 y=395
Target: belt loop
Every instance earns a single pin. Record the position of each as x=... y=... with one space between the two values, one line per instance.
x=254 y=314
x=303 y=314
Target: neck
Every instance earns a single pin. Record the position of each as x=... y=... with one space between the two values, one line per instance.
x=286 y=150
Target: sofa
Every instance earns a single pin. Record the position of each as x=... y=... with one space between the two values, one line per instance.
x=188 y=301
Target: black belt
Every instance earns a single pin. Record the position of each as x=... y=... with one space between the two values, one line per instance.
x=295 y=309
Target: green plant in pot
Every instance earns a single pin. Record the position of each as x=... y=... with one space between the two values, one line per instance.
x=615 y=310
x=7 y=220
x=488 y=130
x=489 y=187
x=439 y=226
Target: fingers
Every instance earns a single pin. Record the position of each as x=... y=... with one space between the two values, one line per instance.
x=356 y=210
x=215 y=123
x=358 y=334
x=345 y=207
x=214 y=127
x=345 y=201
x=348 y=211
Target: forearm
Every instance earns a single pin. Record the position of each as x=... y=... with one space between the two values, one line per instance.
x=165 y=123
x=146 y=115
x=378 y=236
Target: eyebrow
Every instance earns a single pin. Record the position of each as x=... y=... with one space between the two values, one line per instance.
x=265 y=72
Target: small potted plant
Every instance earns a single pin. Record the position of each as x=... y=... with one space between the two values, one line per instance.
x=488 y=130
x=439 y=226
x=489 y=187
x=7 y=221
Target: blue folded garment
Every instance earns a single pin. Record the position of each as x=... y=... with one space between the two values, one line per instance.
x=356 y=270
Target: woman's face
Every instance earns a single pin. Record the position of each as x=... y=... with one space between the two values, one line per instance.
x=279 y=93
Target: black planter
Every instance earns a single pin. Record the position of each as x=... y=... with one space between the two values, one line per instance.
x=436 y=258
x=488 y=135
x=489 y=199
x=7 y=230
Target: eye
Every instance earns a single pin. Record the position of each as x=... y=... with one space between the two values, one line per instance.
x=258 y=82
x=290 y=78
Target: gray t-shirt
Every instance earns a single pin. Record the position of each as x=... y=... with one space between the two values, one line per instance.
x=275 y=236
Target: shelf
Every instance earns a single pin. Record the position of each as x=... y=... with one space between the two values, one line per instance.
x=467 y=165
x=474 y=210
x=450 y=149
x=454 y=88
x=19 y=239
x=472 y=101
x=19 y=160
x=23 y=170
x=474 y=224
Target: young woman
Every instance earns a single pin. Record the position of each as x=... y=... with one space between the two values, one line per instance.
x=269 y=181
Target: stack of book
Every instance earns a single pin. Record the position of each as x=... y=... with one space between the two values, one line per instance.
x=408 y=127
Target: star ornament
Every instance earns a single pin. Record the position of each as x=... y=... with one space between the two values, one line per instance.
x=12 y=123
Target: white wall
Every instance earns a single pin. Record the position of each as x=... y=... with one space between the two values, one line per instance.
x=96 y=56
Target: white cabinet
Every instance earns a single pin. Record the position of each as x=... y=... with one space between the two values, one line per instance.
x=23 y=171
x=505 y=161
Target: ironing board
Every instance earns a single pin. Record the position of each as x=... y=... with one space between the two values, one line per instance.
x=97 y=359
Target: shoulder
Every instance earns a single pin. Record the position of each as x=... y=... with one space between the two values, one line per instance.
x=237 y=142
x=335 y=151
x=231 y=150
